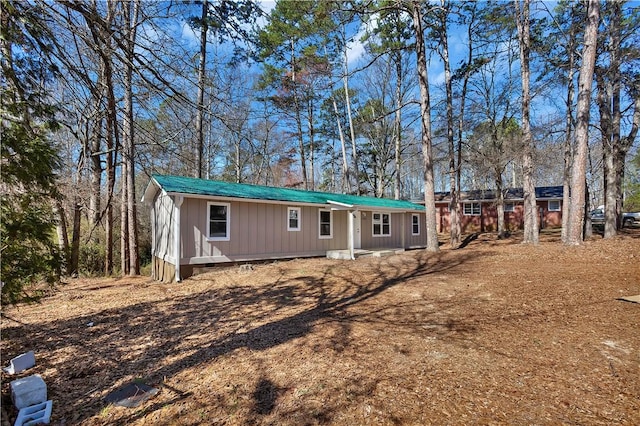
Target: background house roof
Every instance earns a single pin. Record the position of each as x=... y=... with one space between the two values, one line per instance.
x=194 y=186
x=542 y=193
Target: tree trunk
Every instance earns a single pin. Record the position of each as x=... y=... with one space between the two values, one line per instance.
x=63 y=237
x=587 y=230
x=621 y=153
x=500 y=204
x=112 y=144
x=352 y=131
x=132 y=214
x=346 y=183
x=585 y=81
x=620 y=145
x=568 y=141
x=95 y=198
x=311 y=128
x=108 y=224
x=124 y=217
x=296 y=102
x=425 y=111
x=455 y=197
x=111 y=181
x=627 y=141
x=603 y=99
x=454 y=231
x=616 y=119
x=397 y=192
x=199 y=151
x=531 y=230
x=610 y=190
x=236 y=160
x=75 y=238
x=101 y=32
x=608 y=80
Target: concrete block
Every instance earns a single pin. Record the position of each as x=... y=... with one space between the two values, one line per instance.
x=21 y=363
x=35 y=414
x=28 y=391
x=383 y=253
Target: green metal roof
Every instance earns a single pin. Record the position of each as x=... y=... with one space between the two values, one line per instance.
x=193 y=186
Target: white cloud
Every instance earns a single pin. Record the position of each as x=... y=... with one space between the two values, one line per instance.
x=355 y=51
x=355 y=48
x=188 y=35
x=436 y=79
x=267 y=5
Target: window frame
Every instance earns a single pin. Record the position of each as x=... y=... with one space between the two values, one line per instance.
x=509 y=203
x=381 y=223
x=417 y=223
x=320 y=223
x=471 y=213
x=227 y=236
x=554 y=201
x=298 y=226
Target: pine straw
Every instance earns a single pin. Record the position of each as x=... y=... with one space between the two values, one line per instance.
x=496 y=333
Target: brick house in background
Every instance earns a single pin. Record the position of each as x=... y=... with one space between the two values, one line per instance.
x=479 y=210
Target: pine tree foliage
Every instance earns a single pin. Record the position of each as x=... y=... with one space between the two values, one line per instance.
x=28 y=160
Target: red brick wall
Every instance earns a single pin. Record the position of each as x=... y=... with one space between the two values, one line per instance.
x=488 y=220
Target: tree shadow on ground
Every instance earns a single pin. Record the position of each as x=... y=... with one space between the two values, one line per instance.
x=158 y=340
x=264 y=397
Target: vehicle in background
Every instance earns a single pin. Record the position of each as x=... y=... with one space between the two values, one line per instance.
x=597 y=217
x=628 y=219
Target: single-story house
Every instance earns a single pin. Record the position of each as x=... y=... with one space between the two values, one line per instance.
x=479 y=212
x=198 y=222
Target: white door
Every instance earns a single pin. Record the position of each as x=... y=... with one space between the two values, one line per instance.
x=357 y=241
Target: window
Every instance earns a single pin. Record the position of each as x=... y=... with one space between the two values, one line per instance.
x=471 y=209
x=554 y=205
x=509 y=207
x=218 y=221
x=415 y=224
x=325 y=223
x=293 y=219
x=381 y=224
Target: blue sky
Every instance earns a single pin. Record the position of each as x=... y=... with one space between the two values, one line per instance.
x=457 y=50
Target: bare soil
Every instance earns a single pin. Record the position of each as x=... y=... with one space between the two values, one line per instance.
x=495 y=333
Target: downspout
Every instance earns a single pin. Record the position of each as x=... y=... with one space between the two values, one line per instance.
x=351 y=229
x=154 y=261
x=176 y=235
x=404 y=230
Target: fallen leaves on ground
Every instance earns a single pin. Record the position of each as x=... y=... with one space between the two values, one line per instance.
x=495 y=333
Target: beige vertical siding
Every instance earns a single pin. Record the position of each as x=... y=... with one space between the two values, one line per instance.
x=257 y=230
x=416 y=240
x=395 y=239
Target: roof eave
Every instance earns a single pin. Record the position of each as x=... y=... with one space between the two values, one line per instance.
x=153 y=187
x=340 y=206
x=243 y=199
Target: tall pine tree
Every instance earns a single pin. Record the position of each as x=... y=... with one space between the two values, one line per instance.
x=27 y=222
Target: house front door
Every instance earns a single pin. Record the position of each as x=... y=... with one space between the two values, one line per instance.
x=357 y=224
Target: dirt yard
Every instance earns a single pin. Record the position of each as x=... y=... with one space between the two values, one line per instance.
x=495 y=333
